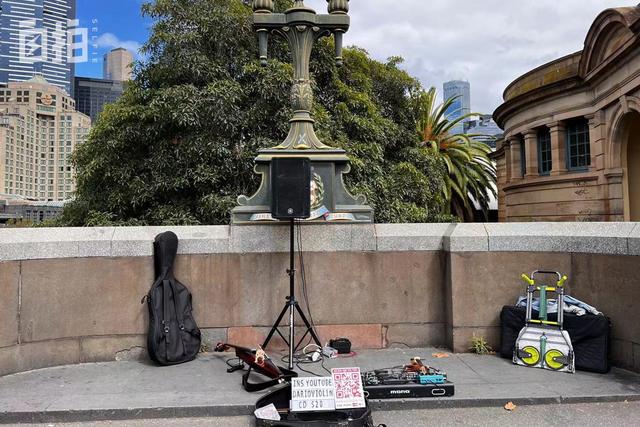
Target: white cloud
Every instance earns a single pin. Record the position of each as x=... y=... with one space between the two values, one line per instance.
x=111 y=41
x=487 y=42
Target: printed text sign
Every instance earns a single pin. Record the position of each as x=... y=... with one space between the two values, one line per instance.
x=312 y=394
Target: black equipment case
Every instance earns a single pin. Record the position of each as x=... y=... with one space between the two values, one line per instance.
x=409 y=390
x=590 y=336
x=281 y=396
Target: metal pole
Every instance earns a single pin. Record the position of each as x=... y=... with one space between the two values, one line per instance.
x=560 y=307
x=530 y=291
x=292 y=290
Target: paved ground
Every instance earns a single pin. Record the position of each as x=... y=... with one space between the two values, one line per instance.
x=585 y=415
x=202 y=388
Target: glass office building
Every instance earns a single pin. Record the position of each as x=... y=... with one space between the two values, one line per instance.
x=462 y=104
x=33 y=41
x=487 y=129
x=92 y=95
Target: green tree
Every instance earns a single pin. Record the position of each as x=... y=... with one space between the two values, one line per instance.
x=471 y=173
x=178 y=147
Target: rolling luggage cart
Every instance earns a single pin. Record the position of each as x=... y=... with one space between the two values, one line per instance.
x=543 y=343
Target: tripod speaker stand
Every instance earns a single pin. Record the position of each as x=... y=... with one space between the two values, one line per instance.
x=292 y=307
x=291 y=199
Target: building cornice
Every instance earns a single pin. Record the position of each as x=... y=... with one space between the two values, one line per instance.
x=544 y=93
x=581 y=71
x=557 y=179
x=545 y=69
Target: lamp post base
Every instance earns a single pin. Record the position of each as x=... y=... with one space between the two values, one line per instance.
x=331 y=202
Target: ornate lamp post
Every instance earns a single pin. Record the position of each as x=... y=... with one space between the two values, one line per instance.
x=302 y=27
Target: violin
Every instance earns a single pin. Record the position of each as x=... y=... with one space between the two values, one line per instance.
x=256 y=359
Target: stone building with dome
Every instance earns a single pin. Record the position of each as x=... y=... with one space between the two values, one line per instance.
x=571 y=148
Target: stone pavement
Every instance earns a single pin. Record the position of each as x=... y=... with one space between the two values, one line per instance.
x=618 y=414
x=203 y=388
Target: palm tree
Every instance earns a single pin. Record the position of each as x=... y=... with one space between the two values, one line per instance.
x=471 y=174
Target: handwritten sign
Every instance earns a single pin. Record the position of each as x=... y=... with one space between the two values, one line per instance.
x=309 y=394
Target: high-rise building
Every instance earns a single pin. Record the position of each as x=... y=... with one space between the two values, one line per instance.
x=39 y=129
x=484 y=126
x=33 y=40
x=117 y=65
x=92 y=95
x=462 y=105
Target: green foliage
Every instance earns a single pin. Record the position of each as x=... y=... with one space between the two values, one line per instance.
x=479 y=345
x=178 y=147
x=19 y=223
x=470 y=170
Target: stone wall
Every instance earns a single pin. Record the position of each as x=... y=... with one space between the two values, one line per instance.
x=73 y=295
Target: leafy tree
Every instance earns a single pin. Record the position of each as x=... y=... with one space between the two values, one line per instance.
x=178 y=147
x=471 y=173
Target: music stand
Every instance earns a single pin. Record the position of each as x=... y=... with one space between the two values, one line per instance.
x=292 y=306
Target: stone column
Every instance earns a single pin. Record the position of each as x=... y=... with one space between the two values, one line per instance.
x=514 y=143
x=558 y=147
x=507 y=161
x=598 y=139
x=531 y=148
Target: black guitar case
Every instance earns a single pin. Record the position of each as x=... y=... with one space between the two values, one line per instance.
x=173 y=336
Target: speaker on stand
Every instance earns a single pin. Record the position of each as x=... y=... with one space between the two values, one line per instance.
x=291 y=200
x=291 y=191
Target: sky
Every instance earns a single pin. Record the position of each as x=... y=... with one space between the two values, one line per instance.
x=111 y=24
x=486 y=42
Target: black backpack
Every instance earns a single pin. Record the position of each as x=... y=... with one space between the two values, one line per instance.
x=173 y=336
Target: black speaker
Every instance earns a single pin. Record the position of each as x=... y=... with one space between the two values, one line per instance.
x=290 y=184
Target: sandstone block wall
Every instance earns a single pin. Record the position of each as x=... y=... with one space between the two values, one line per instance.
x=73 y=295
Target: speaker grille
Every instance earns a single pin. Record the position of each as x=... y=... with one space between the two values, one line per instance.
x=290 y=183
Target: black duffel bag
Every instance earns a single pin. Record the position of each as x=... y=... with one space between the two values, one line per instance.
x=590 y=336
x=173 y=336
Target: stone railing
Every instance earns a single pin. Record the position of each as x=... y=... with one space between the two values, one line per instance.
x=73 y=295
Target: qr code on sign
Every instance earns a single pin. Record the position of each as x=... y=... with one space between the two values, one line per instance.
x=348 y=388
x=347 y=385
